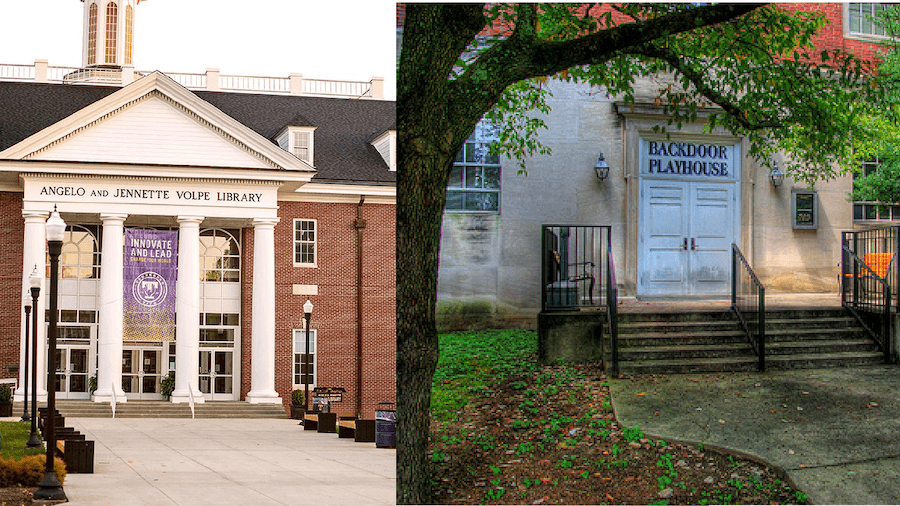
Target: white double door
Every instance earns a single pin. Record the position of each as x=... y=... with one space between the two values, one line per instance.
x=686 y=232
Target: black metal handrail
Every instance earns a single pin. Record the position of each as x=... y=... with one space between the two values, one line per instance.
x=612 y=312
x=571 y=266
x=867 y=295
x=748 y=295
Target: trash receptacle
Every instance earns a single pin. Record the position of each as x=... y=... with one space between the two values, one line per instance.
x=385 y=425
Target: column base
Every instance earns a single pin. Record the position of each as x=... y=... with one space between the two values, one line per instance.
x=270 y=397
x=107 y=397
x=185 y=398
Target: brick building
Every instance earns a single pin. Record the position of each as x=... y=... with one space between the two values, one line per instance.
x=264 y=198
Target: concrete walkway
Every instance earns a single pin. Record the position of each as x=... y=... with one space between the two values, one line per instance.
x=222 y=462
x=835 y=432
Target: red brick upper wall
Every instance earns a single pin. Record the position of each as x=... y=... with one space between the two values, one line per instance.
x=829 y=37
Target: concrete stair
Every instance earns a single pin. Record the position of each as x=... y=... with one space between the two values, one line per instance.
x=713 y=341
x=163 y=409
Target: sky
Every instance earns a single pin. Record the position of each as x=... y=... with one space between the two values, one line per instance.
x=349 y=40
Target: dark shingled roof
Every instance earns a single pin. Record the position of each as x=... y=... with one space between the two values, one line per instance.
x=344 y=127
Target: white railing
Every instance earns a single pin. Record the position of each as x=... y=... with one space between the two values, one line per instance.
x=257 y=84
x=112 y=400
x=191 y=399
x=340 y=88
x=211 y=80
x=17 y=72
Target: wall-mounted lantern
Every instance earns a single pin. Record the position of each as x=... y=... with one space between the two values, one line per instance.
x=602 y=168
x=776 y=175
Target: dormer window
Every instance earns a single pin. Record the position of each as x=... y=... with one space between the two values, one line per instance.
x=386 y=144
x=299 y=142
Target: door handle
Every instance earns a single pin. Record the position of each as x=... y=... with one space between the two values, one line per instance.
x=684 y=246
x=693 y=245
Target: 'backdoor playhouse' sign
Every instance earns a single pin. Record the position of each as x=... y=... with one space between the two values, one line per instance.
x=151 y=264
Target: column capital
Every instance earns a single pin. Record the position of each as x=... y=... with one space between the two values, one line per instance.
x=105 y=217
x=263 y=222
x=187 y=220
x=35 y=215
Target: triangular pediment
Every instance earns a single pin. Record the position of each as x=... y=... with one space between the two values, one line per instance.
x=155 y=121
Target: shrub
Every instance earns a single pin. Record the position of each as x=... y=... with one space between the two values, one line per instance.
x=5 y=393
x=167 y=385
x=297 y=397
x=28 y=471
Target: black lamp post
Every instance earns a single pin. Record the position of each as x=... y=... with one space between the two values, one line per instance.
x=25 y=416
x=34 y=440
x=50 y=487
x=307 y=313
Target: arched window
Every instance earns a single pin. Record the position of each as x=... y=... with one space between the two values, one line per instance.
x=80 y=258
x=220 y=255
x=129 y=32
x=92 y=35
x=112 y=17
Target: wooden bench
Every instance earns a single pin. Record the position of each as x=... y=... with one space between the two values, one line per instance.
x=320 y=422
x=362 y=431
x=77 y=454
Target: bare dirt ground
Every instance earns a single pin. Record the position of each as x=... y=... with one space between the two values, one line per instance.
x=552 y=438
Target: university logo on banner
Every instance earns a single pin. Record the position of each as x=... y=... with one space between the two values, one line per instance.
x=151 y=266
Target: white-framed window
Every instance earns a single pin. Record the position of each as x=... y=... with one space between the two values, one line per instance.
x=305 y=243
x=873 y=211
x=861 y=20
x=474 y=184
x=112 y=19
x=304 y=363
x=220 y=255
x=92 y=35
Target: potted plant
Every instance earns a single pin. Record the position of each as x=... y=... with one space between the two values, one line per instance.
x=297 y=408
x=5 y=400
x=167 y=385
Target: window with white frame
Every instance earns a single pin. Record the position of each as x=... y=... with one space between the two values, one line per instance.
x=474 y=184
x=304 y=363
x=302 y=145
x=305 y=243
x=873 y=211
x=862 y=19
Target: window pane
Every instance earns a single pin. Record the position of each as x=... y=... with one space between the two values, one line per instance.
x=455 y=201
x=456 y=177
x=482 y=201
x=492 y=178
x=474 y=177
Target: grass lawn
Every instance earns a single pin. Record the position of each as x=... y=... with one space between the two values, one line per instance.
x=15 y=435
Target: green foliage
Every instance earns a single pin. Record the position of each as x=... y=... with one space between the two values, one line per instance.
x=471 y=361
x=632 y=434
x=5 y=393
x=20 y=465
x=167 y=385
x=297 y=397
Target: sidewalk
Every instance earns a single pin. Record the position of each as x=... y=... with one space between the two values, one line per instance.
x=222 y=462
x=835 y=432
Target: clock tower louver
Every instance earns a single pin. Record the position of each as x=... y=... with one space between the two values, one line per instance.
x=108 y=40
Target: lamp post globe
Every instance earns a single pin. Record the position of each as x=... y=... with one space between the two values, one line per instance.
x=34 y=282
x=50 y=488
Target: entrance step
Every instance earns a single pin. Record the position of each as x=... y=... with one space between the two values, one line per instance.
x=713 y=341
x=164 y=409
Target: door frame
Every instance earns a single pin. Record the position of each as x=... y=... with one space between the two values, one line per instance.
x=647 y=150
x=235 y=375
x=162 y=362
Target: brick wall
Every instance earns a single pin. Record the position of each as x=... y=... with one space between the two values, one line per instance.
x=12 y=229
x=334 y=313
x=831 y=37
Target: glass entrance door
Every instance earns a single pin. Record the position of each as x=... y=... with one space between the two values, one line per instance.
x=72 y=372
x=217 y=374
x=141 y=372
x=74 y=355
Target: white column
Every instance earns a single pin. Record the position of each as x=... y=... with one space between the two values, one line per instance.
x=187 y=311
x=34 y=254
x=262 y=339
x=109 y=338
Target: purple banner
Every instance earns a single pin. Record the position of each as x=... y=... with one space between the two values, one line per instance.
x=151 y=264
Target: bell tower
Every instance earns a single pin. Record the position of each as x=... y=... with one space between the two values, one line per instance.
x=108 y=39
